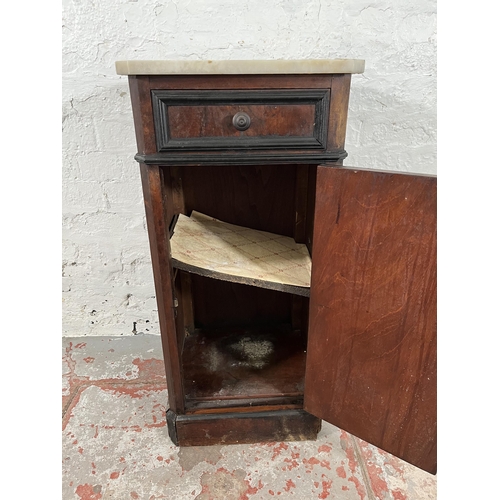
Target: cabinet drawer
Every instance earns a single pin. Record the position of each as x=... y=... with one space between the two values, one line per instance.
x=211 y=120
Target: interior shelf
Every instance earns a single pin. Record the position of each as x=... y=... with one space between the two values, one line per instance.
x=244 y=366
x=206 y=246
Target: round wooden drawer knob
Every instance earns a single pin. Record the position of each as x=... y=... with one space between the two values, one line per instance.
x=241 y=121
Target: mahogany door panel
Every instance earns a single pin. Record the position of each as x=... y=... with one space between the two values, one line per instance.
x=371 y=356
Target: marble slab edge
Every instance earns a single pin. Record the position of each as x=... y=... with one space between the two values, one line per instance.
x=247 y=67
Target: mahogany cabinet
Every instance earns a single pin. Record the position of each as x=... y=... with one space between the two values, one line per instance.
x=290 y=289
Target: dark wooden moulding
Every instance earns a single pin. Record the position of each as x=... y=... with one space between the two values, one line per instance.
x=369 y=324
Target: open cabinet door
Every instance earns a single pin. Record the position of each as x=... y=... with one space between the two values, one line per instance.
x=371 y=357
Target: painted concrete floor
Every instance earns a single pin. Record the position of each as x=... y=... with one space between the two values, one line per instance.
x=116 y=445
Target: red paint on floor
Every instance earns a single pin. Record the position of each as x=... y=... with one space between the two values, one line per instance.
x=399 y=495
x=348 y=447
x=278 y=449
x=341 y=472
x=393 y=461
x=150 y=368
x=87 y=492
x=157 y=425
x=326 y=484
x=311 y=462
x=359 y=487
x=376 y=473
x=251 y=490
x=378 y=484
x=135 y=391
x=292 y=462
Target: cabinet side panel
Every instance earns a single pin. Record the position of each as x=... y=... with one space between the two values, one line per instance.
x=371 y=366
x=140 y=95
x=156 y=212
x=339 y=102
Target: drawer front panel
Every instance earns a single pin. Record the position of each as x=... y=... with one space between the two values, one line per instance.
x=254 y=119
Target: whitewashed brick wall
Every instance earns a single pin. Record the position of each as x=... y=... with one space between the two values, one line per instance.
x=107 y=277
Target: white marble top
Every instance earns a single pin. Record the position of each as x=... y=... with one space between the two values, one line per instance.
x=306 y=66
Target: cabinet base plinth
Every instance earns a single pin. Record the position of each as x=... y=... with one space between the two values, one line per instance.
x=242 y=428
